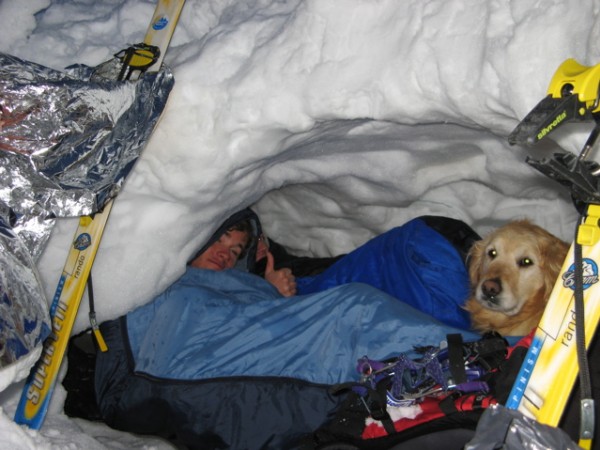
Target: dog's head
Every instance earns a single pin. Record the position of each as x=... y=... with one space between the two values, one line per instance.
x=513 y=271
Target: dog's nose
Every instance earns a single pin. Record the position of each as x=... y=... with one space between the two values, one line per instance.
x=491 y=288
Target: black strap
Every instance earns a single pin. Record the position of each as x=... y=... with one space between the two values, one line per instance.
x=379 y=407
x=587 y=414
x=447 y=405
x=92 y=315
x=490 y=351
x=456 y=358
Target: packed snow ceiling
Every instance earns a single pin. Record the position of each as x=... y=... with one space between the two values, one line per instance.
x=335 y=120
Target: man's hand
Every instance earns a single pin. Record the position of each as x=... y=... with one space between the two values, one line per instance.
x=282 y=279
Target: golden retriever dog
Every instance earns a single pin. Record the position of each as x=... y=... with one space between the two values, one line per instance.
x=513 y=271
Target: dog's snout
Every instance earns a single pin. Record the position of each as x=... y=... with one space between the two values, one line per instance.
x=491 y=288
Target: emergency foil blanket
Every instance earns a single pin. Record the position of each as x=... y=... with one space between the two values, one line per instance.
x=67 y=142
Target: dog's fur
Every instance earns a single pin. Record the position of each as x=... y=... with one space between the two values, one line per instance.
x=512 y=272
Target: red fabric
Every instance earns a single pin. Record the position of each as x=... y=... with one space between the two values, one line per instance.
x=525 y=341
x=430 y=411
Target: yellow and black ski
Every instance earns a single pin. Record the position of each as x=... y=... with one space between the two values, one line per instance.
x=557 y=354
x=35 y=399
x=550 y=369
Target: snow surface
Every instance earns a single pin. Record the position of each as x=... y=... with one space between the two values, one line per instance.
x=335 y=119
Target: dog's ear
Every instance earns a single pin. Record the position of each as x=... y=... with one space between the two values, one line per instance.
x=553 y=253
x=475 y=260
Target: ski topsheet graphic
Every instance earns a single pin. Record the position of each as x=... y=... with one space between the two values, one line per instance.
x=548 y=373
x=36 y=395
x=38 y=389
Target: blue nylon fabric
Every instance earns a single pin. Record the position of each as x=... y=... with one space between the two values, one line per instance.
x=412 y=263
x=221 y=324
x=234 y=413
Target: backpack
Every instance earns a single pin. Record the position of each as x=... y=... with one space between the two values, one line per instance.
x=437 y=396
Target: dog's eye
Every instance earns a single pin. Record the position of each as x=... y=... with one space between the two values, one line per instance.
x=492 y=253
x=525 y=262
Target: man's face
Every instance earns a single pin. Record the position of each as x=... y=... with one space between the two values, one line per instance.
x=224 y=252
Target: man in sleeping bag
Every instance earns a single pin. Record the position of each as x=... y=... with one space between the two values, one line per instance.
x=422 y=263
x=221 y=360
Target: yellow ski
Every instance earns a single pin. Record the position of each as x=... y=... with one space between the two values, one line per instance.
x=548 y=374
x=550 y=369
x=71 y=286
x=36 y=395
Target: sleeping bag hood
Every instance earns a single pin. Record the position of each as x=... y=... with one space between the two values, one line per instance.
x=247 y=262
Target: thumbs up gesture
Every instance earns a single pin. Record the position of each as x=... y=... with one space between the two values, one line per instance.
x=282 y=279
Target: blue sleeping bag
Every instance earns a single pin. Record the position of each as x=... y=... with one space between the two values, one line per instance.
x=413 y=263
x=221 y=360
x=232 y=323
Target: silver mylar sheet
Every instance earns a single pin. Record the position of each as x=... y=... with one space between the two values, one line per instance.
x=24 y=319
x=509 y=429
x=69 y=139
x=67 y=142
